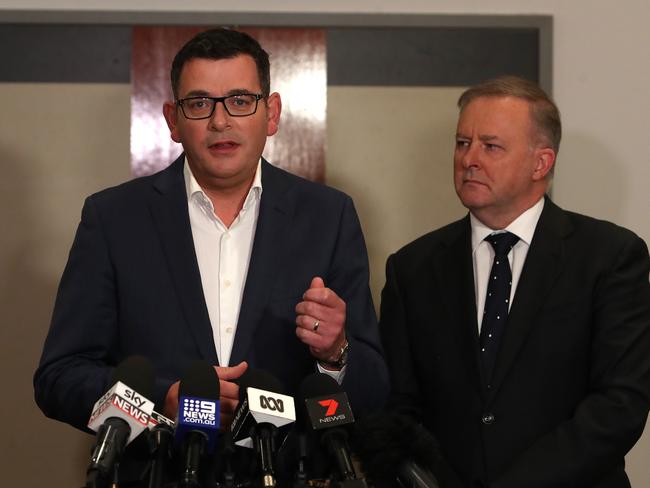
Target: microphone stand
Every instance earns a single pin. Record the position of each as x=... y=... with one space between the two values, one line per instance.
x=160 y=440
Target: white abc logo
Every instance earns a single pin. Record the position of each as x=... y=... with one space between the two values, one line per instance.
x=270 y=403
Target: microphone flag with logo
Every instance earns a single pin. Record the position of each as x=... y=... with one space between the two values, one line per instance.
x=260 y=401
x=329 y=411
x=119 y=416
x=261 y=410
x=197 y=425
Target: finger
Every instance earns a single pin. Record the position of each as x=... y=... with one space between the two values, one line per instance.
x=231 y=372
x=309 y=321
x=317 y=282
x=170 y=408
x=311 y=308
x=311 y=339
x=325 y=297
x=226 y=421
x=229 y=389
x=227 y=405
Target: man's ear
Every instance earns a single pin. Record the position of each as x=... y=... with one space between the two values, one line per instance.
x=544 y=162
x=273 y=110
x=170 y=111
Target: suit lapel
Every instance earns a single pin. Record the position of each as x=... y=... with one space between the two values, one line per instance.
x=169 y=210
x=274 y=216
x=544 y=262
x=455 y=274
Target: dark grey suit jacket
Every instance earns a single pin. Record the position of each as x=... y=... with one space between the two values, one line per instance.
x=132 y=286
x=571 y=387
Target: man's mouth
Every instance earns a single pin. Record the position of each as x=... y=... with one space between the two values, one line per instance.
x=224 y=146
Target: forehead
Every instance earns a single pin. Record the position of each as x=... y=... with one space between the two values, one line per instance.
x=219 y=76
x=496 y=115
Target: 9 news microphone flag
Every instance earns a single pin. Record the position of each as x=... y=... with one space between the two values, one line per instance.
x=197 y=426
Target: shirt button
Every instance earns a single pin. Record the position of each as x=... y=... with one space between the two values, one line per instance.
x=228 y=330
x=226 y=283
x=487 y=419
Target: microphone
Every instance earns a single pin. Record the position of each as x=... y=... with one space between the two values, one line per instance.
x=160 y=440
x=198 y=419
x=260 y=412
x=329 y=411
x=394 y=448
x=118 y=417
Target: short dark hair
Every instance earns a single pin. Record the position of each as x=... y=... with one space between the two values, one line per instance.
x=222 y=43
x=545 y=114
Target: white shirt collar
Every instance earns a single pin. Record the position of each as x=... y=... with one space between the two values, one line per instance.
x=194 y=191
x=523 y=226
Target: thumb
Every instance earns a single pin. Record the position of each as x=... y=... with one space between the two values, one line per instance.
x=317 y=282
x=231 y=372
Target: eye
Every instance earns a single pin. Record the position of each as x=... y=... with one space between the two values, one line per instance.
x=240 y=101
x=197 y=103
x=491 y=147
x=462 y=143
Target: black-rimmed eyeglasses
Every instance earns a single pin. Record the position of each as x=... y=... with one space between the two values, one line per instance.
x=241 y=105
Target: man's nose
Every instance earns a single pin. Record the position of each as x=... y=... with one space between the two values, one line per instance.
x=471 y=155
x=220 y=119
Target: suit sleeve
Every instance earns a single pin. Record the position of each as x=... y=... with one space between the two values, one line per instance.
x=611 y=418
x=366 y=377
x=74 y=368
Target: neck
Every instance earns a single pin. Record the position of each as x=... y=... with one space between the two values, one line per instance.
x=500 y=218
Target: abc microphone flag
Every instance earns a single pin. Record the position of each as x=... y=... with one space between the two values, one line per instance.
x=260 y=403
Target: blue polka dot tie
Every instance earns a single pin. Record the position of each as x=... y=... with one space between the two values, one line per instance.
x=497 y=301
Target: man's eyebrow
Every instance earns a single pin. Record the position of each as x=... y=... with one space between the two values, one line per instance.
x=204 y=93
x=197 y=93
x=488 y=137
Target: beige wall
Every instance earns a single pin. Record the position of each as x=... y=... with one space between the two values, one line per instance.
x=58 y=143
x=53 y=159
x=390 y=149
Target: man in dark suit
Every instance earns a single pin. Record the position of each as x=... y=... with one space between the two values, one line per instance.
x=520 y=334
x=221 y=257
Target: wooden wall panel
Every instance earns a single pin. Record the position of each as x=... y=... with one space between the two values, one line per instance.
x=298 y=73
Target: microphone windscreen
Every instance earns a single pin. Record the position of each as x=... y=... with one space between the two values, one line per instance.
x=260 y=379
x=137 y=373
x=385 y=441
x=200 y=380
x=318 y=384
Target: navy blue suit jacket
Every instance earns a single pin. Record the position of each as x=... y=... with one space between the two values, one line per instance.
x=132 y=286
x=571 y=386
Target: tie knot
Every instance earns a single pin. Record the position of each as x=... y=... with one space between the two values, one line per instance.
x=502 y=242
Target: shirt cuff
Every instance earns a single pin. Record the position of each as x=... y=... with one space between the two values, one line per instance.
x=337 y=375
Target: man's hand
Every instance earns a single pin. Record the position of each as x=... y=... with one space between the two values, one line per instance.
x=321 y=321
x=170 y=409
x=228 y=397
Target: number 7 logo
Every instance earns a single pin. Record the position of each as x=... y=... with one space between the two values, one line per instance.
x=331 y=405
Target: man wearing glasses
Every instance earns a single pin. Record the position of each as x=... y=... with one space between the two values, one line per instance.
x=221 y=256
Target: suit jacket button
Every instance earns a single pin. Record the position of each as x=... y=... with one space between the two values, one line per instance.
x=488 y=418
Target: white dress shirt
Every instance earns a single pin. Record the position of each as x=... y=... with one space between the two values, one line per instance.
x=483 y=253
x=223 y=255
